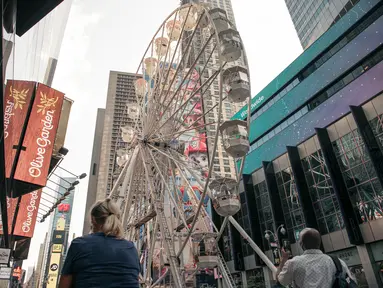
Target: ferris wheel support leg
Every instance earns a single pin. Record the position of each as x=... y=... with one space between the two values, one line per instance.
x=127 y=205
x=253 y=245
x=223 y=226
x=171 y=255
x=148 y=271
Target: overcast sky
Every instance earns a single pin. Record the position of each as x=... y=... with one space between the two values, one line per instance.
x=100 y=38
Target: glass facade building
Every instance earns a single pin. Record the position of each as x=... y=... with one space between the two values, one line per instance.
x=312 y=18
x=316 y=138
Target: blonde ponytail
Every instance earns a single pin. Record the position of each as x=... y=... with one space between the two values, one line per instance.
x=107 y=216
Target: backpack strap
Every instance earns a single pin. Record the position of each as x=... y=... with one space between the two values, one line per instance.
x=338 y=265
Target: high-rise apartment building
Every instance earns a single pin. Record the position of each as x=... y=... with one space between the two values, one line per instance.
x=223 y=164
x=94 y=168
x=312 y=18
x=121 y=92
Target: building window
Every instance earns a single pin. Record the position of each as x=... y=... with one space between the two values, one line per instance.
x=243 y=219
x=255 y=278
x=291 y=206
x=265 y=214
x=325 y=203
x=359 y=175
x=377 y=127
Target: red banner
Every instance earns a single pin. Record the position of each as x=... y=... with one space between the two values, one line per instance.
x=26 y=218
x=33 y=166
x=17 y=99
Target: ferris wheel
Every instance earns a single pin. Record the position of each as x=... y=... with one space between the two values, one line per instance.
x=193 y=71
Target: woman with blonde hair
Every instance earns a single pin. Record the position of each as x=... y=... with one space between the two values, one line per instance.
x=103 y=258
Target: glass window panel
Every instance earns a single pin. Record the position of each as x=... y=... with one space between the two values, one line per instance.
x=313 y=194
x=264 y=200
x=305 y=164
x=354 y=195
x=267 y=213
x=256 y=190
x=322 y=226
x=328 y=206
x=349 y=180
x=324 y=189
x=286 y=175
x=318 y=210
x=285 y=206
x=309 y=179
x=360 y=174
x=378 y=189
x=289 y=222
x=360 y=212
x=332 y=224
x=298 y=217
x=366 y=192
x=336 y=203
x=371 y=210
x=370 y=169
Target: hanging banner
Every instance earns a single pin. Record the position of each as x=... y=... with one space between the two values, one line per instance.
x=26 y=217
x=53 y=271
x=36 y=152
x=18 y=95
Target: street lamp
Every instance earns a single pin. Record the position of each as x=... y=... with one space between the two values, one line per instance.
x=269 y=233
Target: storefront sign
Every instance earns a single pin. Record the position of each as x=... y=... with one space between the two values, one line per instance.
x=4 y=255
x=5 y=273
x=18 y=95
x=33 y=166
x=40 y=135
x=26 y=217
x=349 y=256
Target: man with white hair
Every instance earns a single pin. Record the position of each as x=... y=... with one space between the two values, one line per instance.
x=313 y=268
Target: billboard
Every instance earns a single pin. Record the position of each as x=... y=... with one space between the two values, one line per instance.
x=53 y=270
x=26 y=217
x=39 y=106
x=59 y=239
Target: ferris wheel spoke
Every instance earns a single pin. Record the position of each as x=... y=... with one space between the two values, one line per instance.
x=169 y=190
x=209 y=81
x=184 y=78
x=204 y=212
x=171 y=117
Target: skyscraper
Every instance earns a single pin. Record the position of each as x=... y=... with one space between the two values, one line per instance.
x=121 y=92
x=94 y=167
x=312 y=18
x=223 y=164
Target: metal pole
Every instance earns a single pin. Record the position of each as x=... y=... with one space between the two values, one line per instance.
x=3 y=186
x=253 y=245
